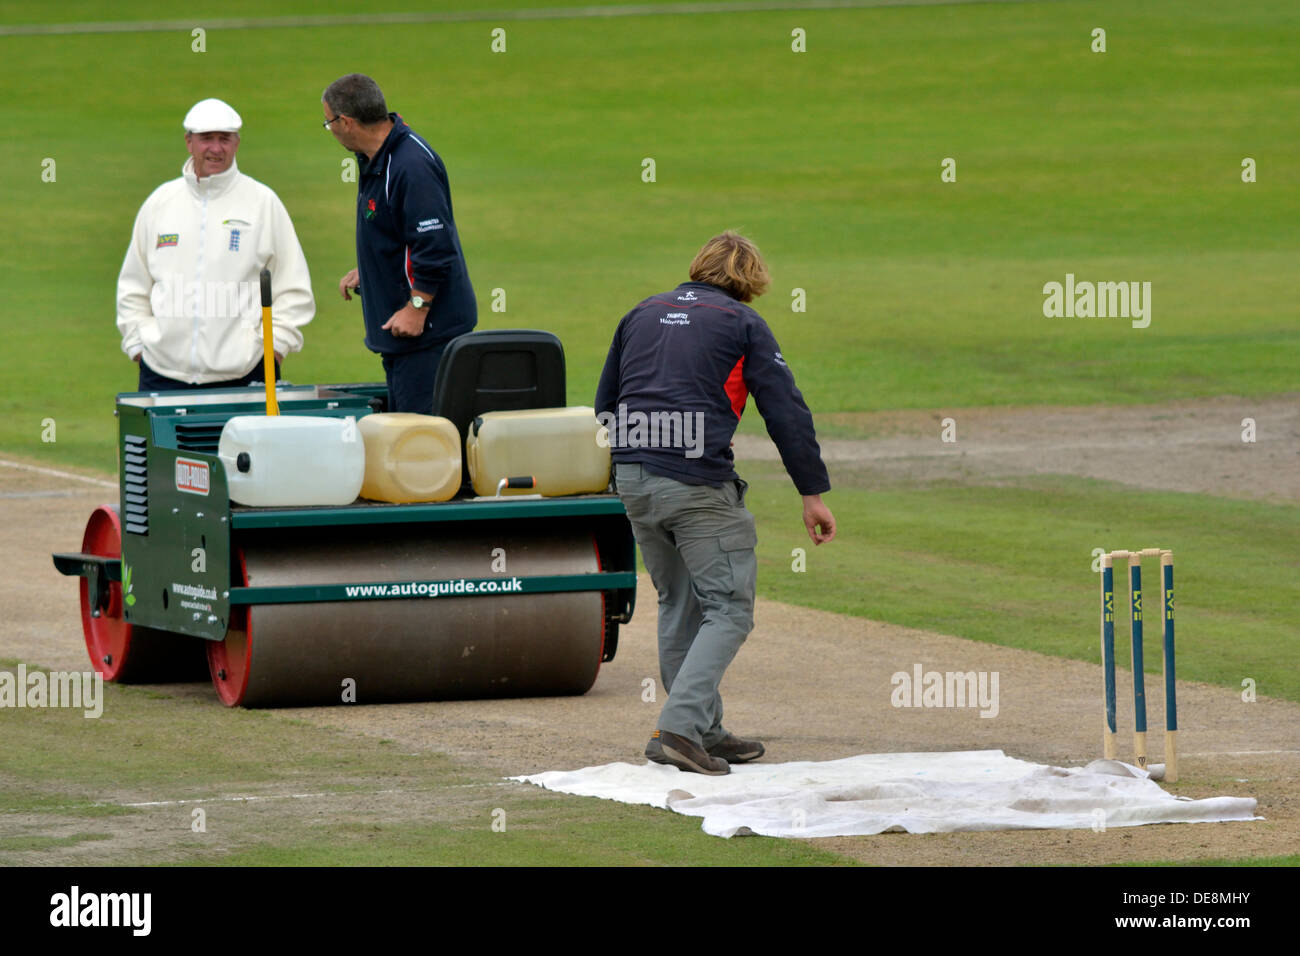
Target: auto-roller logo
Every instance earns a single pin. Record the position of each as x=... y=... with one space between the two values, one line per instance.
x=192 y=476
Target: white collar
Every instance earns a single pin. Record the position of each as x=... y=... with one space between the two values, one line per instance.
x=209 y=186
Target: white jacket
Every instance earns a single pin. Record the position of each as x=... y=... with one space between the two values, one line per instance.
x=188 y=296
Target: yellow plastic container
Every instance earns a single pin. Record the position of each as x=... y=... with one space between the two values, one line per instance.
x=410 y=457
x=565 y=450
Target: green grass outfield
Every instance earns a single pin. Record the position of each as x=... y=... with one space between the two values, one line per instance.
x=920 y=294
x=1123 y=166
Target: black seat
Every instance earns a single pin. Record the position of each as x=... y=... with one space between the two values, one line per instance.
x=498 y=370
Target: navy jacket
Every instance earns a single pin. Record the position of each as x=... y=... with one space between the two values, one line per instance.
x=685 y=359
x=406 y=238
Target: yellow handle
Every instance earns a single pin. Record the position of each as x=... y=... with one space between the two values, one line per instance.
x=268 y=346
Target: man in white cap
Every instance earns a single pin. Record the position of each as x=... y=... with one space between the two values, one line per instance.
x=188 y=300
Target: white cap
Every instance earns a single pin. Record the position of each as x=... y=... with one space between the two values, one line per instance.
x=207 y=116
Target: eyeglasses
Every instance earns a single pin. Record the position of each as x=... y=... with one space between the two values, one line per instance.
x=335 y=119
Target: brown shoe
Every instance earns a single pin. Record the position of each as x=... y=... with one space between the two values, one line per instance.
x=686 y=754
x=735 y=750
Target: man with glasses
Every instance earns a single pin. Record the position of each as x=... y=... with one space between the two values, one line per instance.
x=415 y=290
x=188 y=299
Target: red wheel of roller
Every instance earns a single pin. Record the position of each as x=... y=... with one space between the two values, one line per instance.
x=228 y=660
x=123 y=652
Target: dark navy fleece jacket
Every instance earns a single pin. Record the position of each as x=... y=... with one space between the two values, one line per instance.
x=668 y=372
x=406 y=238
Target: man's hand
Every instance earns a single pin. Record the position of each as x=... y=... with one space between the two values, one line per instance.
x=817 y=518
x=407 y=322
x=350 y=281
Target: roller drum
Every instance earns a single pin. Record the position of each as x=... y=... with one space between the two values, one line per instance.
x=419 y=648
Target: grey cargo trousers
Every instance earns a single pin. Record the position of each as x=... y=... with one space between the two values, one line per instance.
x=698 y=545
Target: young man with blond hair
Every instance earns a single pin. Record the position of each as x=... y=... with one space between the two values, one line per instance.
x=675 y=383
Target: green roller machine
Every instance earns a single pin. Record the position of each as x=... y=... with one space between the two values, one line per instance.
x=364 y=602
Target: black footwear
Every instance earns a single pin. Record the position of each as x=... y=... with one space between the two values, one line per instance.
x=685 y=754
x=735 y=750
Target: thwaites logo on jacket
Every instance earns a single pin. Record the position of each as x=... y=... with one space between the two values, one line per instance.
x=192 y=476
x=168 y=239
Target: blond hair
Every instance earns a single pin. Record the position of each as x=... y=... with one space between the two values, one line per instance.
x=733 y=264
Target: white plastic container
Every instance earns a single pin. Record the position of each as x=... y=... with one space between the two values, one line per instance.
x=563 y=449
x=287 y=460
x=410 y=457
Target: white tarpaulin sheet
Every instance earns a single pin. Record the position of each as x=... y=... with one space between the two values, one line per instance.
x=915 y=793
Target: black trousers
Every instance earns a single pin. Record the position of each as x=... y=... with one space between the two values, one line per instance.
x=151 y=381
x=411 y=376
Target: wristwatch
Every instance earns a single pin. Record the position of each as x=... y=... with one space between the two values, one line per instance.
x=418 y=302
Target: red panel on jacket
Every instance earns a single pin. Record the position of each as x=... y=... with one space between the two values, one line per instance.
x=736 y=390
